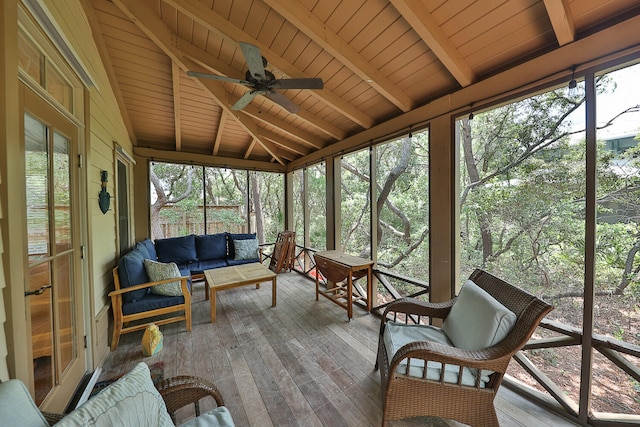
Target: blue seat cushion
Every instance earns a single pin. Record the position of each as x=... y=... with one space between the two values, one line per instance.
x=151 y=302
x=131 y=272
x=237 y=236
x=180 y=250
x=151 y=248
x=241 y=261
x=211 y=246
x=208 y=265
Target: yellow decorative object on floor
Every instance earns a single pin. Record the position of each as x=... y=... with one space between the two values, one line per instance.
x=151 y=340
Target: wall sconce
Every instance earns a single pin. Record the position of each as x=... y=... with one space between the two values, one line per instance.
x=104 y=198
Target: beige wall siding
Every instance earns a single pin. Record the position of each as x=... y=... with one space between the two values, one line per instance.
x=105 y=128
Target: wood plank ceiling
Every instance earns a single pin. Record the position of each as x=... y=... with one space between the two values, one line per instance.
x=378 y=59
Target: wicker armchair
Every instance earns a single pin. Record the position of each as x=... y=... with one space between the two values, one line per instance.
x=413 y=383
x=178 y=392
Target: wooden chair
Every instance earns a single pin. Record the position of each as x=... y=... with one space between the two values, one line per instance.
x=474 y=375
x=132 y=318
x=284 y=252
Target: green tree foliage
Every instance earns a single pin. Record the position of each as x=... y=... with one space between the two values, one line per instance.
x=523 y=198
x=401 y=205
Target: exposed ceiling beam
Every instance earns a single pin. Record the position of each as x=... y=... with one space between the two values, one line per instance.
x=217 y=142
x=175 y=80
x=206 y=159
x=299 y=134
x=160 y=34
x=417 y=15
x=247 y=153
x=219 y=25
x=98 y=38
x=561 y=20
x=294 y=12
x=292 y=147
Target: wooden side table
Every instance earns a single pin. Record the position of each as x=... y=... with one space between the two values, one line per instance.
x=336 y=267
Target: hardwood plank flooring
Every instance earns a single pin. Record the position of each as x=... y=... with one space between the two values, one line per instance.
x=301 y=363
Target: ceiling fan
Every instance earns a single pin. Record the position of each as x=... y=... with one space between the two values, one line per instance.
x=263 y=82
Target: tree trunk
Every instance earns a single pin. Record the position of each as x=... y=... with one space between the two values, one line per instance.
x=164 y=200
x=474 y=176
x=257 y=207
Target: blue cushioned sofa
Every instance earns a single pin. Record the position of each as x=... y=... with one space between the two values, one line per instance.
x=132 y=299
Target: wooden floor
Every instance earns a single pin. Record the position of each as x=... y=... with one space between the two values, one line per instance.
x=300 y=363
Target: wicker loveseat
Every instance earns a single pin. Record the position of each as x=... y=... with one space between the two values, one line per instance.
x=483 y=328
x=132 y=401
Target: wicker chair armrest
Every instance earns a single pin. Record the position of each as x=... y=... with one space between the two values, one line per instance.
x=52 y=418
x=121 y=291
x=414 y=306
x=492 y=358
x=183 y=390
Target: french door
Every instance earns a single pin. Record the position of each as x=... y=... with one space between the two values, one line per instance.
x=52 y=285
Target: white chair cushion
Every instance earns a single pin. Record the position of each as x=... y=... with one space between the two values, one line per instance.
x=132 y=401
x=218 y=417
x=477 y=320
x=397 y=335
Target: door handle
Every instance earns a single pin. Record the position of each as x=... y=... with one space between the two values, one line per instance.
x=37 y=291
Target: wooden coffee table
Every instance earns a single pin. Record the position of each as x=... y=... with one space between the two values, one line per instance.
x=219 y=279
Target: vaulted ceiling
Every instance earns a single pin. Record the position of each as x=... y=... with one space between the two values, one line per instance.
x=378 y=59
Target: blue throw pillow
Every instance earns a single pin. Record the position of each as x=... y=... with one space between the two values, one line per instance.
x=237 y=236
x=132 y=272
x=181 y=250
x=143 y=249
x=211 y=246
x=151 y=248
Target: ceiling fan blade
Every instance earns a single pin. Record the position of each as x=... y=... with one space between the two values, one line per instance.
x=246 y=99
x=254 y=60
x=283 y=101
x=310 y=83
x=216 y=77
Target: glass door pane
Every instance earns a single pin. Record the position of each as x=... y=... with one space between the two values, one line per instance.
x=41 y=329
x=40 y=303
x=61 y=192
x=37 y=186
x=64 y=310
x=50 y=290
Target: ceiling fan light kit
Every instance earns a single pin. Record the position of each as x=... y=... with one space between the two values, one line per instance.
x=262 y=82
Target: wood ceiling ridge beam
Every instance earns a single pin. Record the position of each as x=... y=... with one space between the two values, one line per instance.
x=103 y=51
x=175 y=81
x=314 y=28
x=299 y=134
x=206 y=60
x=417 y=15
x=561 y=21
x=222 y=27
x=288 y=146
x=153 y=26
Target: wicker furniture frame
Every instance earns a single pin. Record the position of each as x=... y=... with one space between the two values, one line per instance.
x=407 y=396
x=177 y=392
